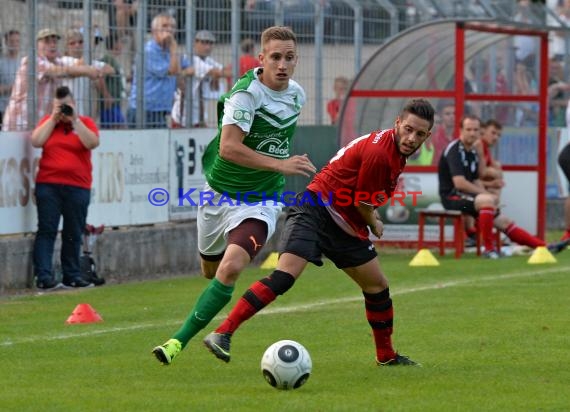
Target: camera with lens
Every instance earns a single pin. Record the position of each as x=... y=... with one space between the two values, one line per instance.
x=66 y=109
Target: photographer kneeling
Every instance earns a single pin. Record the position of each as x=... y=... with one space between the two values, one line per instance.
x=63 y=188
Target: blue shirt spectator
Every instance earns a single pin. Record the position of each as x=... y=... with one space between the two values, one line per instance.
x=162 y=65
x=9 y=64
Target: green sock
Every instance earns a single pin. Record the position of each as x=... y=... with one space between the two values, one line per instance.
x=211 y=301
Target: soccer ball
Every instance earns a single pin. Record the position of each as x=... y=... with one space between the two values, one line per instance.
x=286 y=365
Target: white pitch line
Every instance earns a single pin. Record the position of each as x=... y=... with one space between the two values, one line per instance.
x=287 y=309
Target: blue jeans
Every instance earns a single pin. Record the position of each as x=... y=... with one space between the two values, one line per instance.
x=54 y=201
x=112 y=117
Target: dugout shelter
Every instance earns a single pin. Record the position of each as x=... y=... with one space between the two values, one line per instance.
x=477 y=65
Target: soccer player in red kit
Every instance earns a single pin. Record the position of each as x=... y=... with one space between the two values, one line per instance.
x=322 y=223
x=461 y=189
x=491 y=170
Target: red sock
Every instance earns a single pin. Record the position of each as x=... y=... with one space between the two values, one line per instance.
x=380 y=316
x=485 y=220
x=566 y=235
x=522 y=237
x=253 y=300
x=383 y=341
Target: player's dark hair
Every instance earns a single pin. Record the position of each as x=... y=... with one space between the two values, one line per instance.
x=470 y=117
x=421 y=108
x=494 y=123
x=62 y=92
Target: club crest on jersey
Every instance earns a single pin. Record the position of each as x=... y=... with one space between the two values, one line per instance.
x=296 y=101
x=240 y=115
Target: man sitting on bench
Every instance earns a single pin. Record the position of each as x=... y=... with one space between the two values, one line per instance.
x=461 y=189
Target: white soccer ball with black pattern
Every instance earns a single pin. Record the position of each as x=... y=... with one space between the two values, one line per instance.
x=286 y=365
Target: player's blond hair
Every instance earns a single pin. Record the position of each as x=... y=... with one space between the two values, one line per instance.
x=277 y=33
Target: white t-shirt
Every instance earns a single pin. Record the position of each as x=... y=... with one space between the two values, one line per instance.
x=203 y=84
x=80 y=86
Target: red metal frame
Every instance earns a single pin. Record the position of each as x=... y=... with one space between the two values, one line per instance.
x=460 y=97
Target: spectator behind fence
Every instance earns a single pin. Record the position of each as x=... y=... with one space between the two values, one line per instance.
x=430 y=152
x=460 y=188
x=207 y=83
x=248 y=60
x=162 y=64
x=63 y=189
x=444 y=133
x=558 y=38
x=112 y=87
x=81 y=86
x=526 y=113
x=557 y=94
x=340 y=88
x=50 y=71
x=495 y=81
x=9 y=63
x=123 y=17
x=257 y=116
x=526 y=47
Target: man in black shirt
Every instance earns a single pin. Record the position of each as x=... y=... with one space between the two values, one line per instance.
x=460 y=189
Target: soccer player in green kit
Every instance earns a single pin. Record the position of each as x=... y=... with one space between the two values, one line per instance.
x=245 y=166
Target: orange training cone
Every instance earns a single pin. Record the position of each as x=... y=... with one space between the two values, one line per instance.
x=83 y=313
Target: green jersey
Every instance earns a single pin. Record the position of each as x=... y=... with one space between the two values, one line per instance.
x=268 y=118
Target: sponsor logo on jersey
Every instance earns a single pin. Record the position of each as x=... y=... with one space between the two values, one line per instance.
x=274 y=147
x=378 y=136
x=278 y=135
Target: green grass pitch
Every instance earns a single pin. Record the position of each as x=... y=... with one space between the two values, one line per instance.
x=491 y=336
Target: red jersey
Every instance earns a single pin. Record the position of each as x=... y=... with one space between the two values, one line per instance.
x=369 y=166
x=65 y=160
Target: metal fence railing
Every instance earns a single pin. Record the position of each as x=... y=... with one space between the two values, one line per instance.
x=335 y=38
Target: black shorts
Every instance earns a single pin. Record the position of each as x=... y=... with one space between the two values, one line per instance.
x=463 y=202
x=310 y=232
